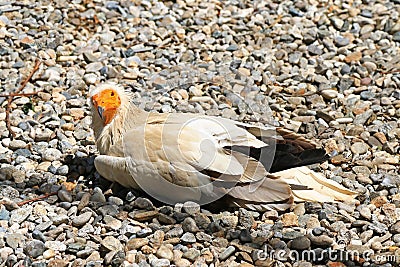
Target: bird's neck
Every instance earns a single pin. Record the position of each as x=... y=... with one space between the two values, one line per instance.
x=111 y=134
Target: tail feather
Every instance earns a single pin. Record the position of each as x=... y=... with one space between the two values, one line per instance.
x=319 y=189
x=304 y=184
x=265 y=194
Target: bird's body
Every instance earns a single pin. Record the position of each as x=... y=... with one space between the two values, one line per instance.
x=177 y=157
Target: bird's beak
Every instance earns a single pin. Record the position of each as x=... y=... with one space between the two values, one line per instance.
x=100 y=110
x=106 y=113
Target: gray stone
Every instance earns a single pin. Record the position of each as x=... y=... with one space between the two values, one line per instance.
x=4 y=213
x=21 y=214
x=395 y=228
x=143 y=203
x=189 y=225
x=321 y=240
x=227 y=253
x=342 y=41
x=188 y=238
x=361 y=119
x=98 y=195
x=34 y=248
x=93 y=67
x=115 y=201
x=51 y=154
x=160 y=263
x=82 y=219
x=191 y=254
x=6 y=172
x=359 y=148
x=300 y=243
x=191 y=207
x=315 y=50
x=14 y=240
x=64 y=195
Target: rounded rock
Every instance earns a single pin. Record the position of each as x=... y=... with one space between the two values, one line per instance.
x=300 y=243
x=51 y=154
x=82 y=219
x=188 y=238
x=359 y=148
x=191 y=207
x=35 y=248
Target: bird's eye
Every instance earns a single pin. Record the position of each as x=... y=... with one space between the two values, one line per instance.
x=112 y=93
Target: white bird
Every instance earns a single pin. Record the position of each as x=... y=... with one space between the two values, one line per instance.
x=176 y=157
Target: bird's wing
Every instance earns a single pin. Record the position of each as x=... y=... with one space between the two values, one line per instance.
x=284 y=150
x=198 y=141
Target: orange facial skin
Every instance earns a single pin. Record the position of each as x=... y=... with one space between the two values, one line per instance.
x=106 y=103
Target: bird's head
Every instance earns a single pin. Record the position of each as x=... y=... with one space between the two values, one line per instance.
x=107 y=100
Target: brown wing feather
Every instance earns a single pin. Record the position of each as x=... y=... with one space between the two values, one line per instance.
x=296 y=140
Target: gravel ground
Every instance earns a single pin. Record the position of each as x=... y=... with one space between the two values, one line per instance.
x=326 y=69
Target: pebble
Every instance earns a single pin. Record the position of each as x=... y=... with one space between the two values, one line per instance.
x=189 y=225
x=98 y=196
x=321 y=240
x=82 y=219
x=182 y=263
x=395 y=228
x=359 y=148
x=64 y=195
x=51 y=154
x=17 y=144
x=191 y=254
x=143 y=203
x=14 y=240
x=300 y=243
x=55 y=245
x=111 y=243
x=4 y=214
x=48 y=254
x=191 y=207
x=289 y=219
x=365 y=212
x=165 y=252
x=157 y=238
x=342 y=41
x=21 y=214
x=136 y=243
x=112 y=222
x=160 y=263
x=188 y=238
x=227 y=253
x=329 y=94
